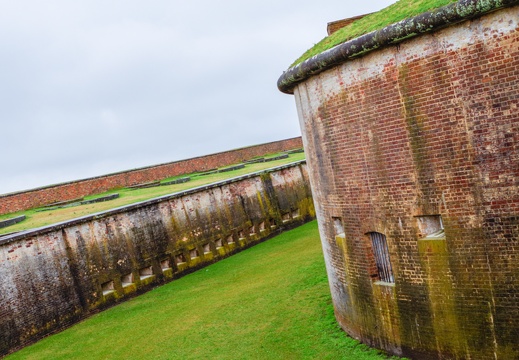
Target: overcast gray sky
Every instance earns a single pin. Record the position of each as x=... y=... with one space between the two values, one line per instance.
x=89 y=87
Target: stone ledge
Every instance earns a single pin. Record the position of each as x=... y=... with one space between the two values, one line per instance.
x=231 y=168
x=296 y=151
x=12 y=221
x=176 y=181
x=61 y=203
x=255 y=161
x=279 y=157
x=100 y=199
x=144 y=185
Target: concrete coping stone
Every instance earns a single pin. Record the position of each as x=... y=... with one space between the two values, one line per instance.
x=209 y=172
x=255 y=161
x=231 y=168
x=144 y=185
x=279 y=157
x=273 y=158
x=101 y=199
x=5 y=239
x=176 y=181
x=12 y=221
x=67 y=204
x=60 y=203
x=296 y=151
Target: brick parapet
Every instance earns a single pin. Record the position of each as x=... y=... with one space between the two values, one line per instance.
x=28 y=199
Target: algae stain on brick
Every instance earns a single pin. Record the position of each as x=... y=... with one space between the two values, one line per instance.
x=415 y=123
x=434 y=257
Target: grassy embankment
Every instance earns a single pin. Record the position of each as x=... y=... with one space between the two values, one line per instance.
x=400 y=10
x=271 y=301
x=37 y=218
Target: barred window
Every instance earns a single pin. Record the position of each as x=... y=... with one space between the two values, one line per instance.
x=381 y=254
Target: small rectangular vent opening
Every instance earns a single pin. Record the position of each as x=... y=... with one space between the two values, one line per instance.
x=252 y=231
x=261 y=226
x=107 y=287
x=127 y=279
x=230 y=240
x=207 y=248
x=180 y=258
x=165 y=264
x=146 y=272
x=430 y=227
x=193 y=253
x=218 y=243
x=337 y=226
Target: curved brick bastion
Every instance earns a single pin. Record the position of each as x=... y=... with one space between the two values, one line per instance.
x=54 y=276
x=413 y=156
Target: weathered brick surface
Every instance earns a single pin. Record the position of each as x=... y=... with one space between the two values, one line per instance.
x=428 y=127
x=53 y=277
x=71 y=190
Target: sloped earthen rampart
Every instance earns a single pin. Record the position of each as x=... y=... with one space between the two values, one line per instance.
x=413 y=152
x=54 y=276
x=24 y=200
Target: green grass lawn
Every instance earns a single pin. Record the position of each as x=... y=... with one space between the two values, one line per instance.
x=271 y=301
x=127 y=196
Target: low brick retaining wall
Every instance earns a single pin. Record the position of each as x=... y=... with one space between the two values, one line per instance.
x=66 y=191
x=12 y=221
x=54 y=276
x=101 y=199
x=176 y=181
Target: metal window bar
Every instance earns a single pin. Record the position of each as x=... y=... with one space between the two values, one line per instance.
x=381 y=252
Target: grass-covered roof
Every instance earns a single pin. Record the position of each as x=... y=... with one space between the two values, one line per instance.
x=398 y=22
x=400 y=10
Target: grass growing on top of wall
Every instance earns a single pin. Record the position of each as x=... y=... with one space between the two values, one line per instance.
x=271 y=301
x=127 y=196
x=400 y=10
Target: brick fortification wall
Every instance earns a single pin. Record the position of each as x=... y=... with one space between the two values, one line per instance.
x=33 y=198
x=54 y=276
x=401 y=143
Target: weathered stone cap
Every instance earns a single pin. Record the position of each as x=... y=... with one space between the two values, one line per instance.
x=391 y=34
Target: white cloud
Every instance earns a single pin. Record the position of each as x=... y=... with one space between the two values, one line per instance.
x=90 y=86
x=109 y=120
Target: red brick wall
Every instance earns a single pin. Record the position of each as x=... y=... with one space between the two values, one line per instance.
x=428 y=127
x=67 y=191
